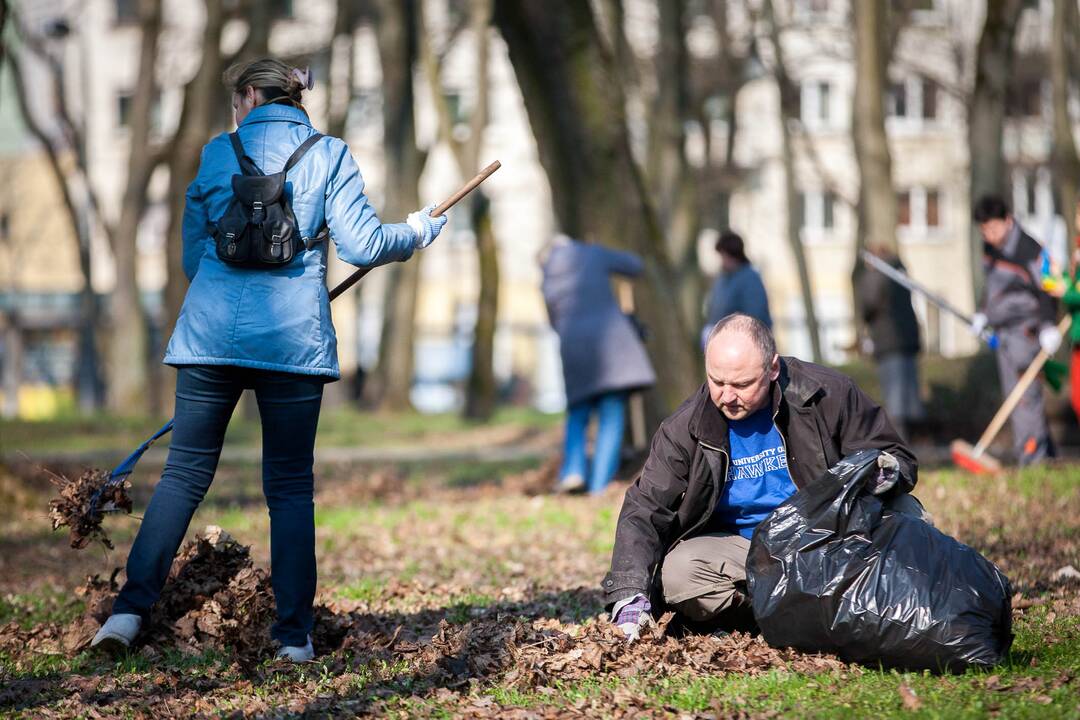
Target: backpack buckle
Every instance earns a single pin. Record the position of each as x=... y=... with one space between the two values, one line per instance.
x=258 y=214
x=275 y=246
x=231 y=247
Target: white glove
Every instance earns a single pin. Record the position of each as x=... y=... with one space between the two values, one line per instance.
x=978 y=323
x=425 y=226
x=632 y=630
x=888 y=474
x=1049 y=339
x=631 y=615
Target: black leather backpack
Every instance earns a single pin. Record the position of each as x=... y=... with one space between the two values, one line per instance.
x=258 y=229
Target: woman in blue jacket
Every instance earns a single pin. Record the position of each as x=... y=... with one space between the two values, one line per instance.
x=265 y=329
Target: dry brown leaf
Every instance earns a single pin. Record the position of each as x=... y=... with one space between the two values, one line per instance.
x=908 y=697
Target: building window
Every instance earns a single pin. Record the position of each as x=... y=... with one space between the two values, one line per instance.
x=365 y=109
x=281 y=9
x=809 y=9
x=815 y=104
x=1033 y=192
x=897 y=101
x=124 y=103
x=722 y=210
x=817 y=214
x=912 y=98
x=455 y=107
x=918 y=211
x=929 y=99
x=1024 y=99
x=127 y=12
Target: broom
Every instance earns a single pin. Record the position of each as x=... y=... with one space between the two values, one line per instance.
x=975 y=459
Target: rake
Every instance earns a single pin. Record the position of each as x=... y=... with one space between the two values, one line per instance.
x=124 y=469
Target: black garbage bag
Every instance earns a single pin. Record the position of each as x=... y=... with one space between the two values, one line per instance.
x=831 y=571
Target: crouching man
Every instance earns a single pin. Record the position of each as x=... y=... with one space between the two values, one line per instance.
x=760 y=427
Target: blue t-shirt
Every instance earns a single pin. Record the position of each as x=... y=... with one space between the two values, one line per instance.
x=758 y=480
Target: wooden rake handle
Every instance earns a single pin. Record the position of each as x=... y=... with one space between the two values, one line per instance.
x=1018 y=391
x=441 y=209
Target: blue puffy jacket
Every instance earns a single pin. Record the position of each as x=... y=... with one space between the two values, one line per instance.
x=276 y=319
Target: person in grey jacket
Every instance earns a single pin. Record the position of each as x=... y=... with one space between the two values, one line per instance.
x=894 y=333
x=603 y=356
x=1022 y=315
x=267 y=329
x=738 y=287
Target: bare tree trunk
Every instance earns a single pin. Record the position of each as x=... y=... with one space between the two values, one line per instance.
x=876 y=210
x=1066 y=165
x=397 y=38
x=203 y=95
x=128 y=356
x=481 y=391
x=788 y=95
x=986 y=113
x=341 y=96
x=876 y=192
x=672 y=181
x=576 y=106
x=73 y=186
x=611 y=23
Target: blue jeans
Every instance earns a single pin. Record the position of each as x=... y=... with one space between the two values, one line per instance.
x=611 y=423
x=205 y=398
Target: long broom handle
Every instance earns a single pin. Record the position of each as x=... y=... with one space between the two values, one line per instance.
x=125 y=468
x=1018 y=390
x=442 y=208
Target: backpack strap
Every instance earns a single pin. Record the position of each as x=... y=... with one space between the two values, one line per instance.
x=247 y=165
x=299 y=152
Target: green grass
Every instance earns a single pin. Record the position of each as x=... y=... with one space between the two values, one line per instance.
x=338 y=427
x=463 y=608
x=851 y=694
x=46 y=606
x=499 y=540
x=365 y=589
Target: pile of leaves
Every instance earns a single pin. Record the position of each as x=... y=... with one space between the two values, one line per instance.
x=214 y=598
x=81 y=505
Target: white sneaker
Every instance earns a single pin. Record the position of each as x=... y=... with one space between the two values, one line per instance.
x=296 y=653
x=570 y=483
x=117 y=634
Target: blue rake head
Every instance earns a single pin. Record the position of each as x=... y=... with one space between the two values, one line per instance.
x=121 y=472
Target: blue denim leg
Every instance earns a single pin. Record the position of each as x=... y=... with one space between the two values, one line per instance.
x=611 y=408
x=205 y=398
x=577 y=420
x=289 y=408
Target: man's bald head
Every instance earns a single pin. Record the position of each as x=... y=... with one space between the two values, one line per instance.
x=753 y=329
x=741 y=363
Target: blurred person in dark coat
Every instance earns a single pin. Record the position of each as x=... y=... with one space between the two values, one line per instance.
x=603 y=356
x=738 y=287
x=894 y=333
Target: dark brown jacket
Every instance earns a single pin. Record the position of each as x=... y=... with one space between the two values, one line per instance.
x=821 y=415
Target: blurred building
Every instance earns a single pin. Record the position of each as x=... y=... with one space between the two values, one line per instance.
x=930 y=75
x=39 y=282
x=931 y=71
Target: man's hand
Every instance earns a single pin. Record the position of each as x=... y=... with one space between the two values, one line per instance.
x=888 y=474
x=979 y=323
x=633 y=615
x=1049 y=339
